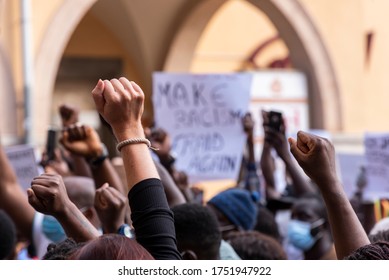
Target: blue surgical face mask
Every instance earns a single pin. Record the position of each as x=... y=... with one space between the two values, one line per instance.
x=299 y=234
x=53 y=229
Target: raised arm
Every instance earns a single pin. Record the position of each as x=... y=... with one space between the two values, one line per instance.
x=70 y=117
x=13 y=200
x=316 y=156
x=278 y=141
x=48 y=195
x=121 y=102
x=83 y=140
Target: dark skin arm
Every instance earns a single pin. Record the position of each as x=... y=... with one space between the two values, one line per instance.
x=84 y=141
x=110 y=205
x=278 y=141
x=48 y=195
x=69 y=117
x=316 y=156
x=13 y=200
x=173 y=194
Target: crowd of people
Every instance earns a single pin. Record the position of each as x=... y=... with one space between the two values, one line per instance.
x=89 y=205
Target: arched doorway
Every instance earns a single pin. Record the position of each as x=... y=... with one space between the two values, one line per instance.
x=306 y=48
x=8 y=125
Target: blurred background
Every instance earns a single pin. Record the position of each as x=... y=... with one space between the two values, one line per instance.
x=53 y=52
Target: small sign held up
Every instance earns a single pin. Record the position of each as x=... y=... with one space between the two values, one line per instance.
x=22 y=159
x=377 y=164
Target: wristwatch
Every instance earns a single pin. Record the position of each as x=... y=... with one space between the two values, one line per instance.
x=125 y=230
x=97 y=161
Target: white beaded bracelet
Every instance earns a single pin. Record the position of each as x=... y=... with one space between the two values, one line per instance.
x=120 y=145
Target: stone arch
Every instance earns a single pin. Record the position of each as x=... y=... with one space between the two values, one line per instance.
x=8 y=124
x=48 y=57
x=307 y=52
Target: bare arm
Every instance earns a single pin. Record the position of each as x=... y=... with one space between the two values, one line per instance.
x=120 y=102
x=48 y=195
x=70 y=117
x=173 y=194
x=316 y=156
x=13 y=200
x=278 y=141
x=85 y=142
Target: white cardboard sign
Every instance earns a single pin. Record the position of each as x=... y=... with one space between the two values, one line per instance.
x=202 y=114
x=377 y=164
x=22 y=159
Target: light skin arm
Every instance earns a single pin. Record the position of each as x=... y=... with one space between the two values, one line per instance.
x=48 y=195
x=13 y=200
x=316 y=156
x=121 y=102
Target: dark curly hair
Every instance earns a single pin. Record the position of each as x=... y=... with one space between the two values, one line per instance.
x=375 y=251
x=62 y=250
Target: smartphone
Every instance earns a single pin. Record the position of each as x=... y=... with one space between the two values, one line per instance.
x=51 y=143
x=275 y=120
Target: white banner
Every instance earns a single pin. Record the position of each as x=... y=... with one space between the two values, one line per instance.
x=202 y=114
x=350 y=168
x=22 y=159
x=377 y=164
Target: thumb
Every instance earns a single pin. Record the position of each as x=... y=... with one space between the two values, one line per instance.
x=97 y=94
x=303 y=141
x=64 y=138
x=32 y=199
x=294 y=149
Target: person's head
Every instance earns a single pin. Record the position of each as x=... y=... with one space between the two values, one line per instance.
x=111 y=247
x=235 y=210
x=266 y=223
x=81 y=191
x=308 y=223
x=197 y=232
x=375 y=251
x=7 y=236
x=62 y=250
x=252 y=245
x=382 y=235
x=381 y=225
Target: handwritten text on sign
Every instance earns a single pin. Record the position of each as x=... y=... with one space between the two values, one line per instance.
x=377 y=163
x=202 y=114
x=22 y=159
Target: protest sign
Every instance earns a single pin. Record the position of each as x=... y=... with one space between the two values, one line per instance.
x=202 y=114
x=349 y=166
x=22 y=159
x=377 y=164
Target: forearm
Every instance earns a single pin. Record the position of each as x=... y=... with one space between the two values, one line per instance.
x=153 y=220
x=173 y=193
x=12 y=198
x=347 y=231
x=137 y=161
x=300 y=184
x=80 y=166
x=106 y=173
x=7 y=173
x=250 y=148
x=76 y=225
x=267 y=168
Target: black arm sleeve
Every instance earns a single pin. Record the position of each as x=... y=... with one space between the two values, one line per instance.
x=153 y=220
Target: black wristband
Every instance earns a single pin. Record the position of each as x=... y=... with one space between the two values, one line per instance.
x=97 y=161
